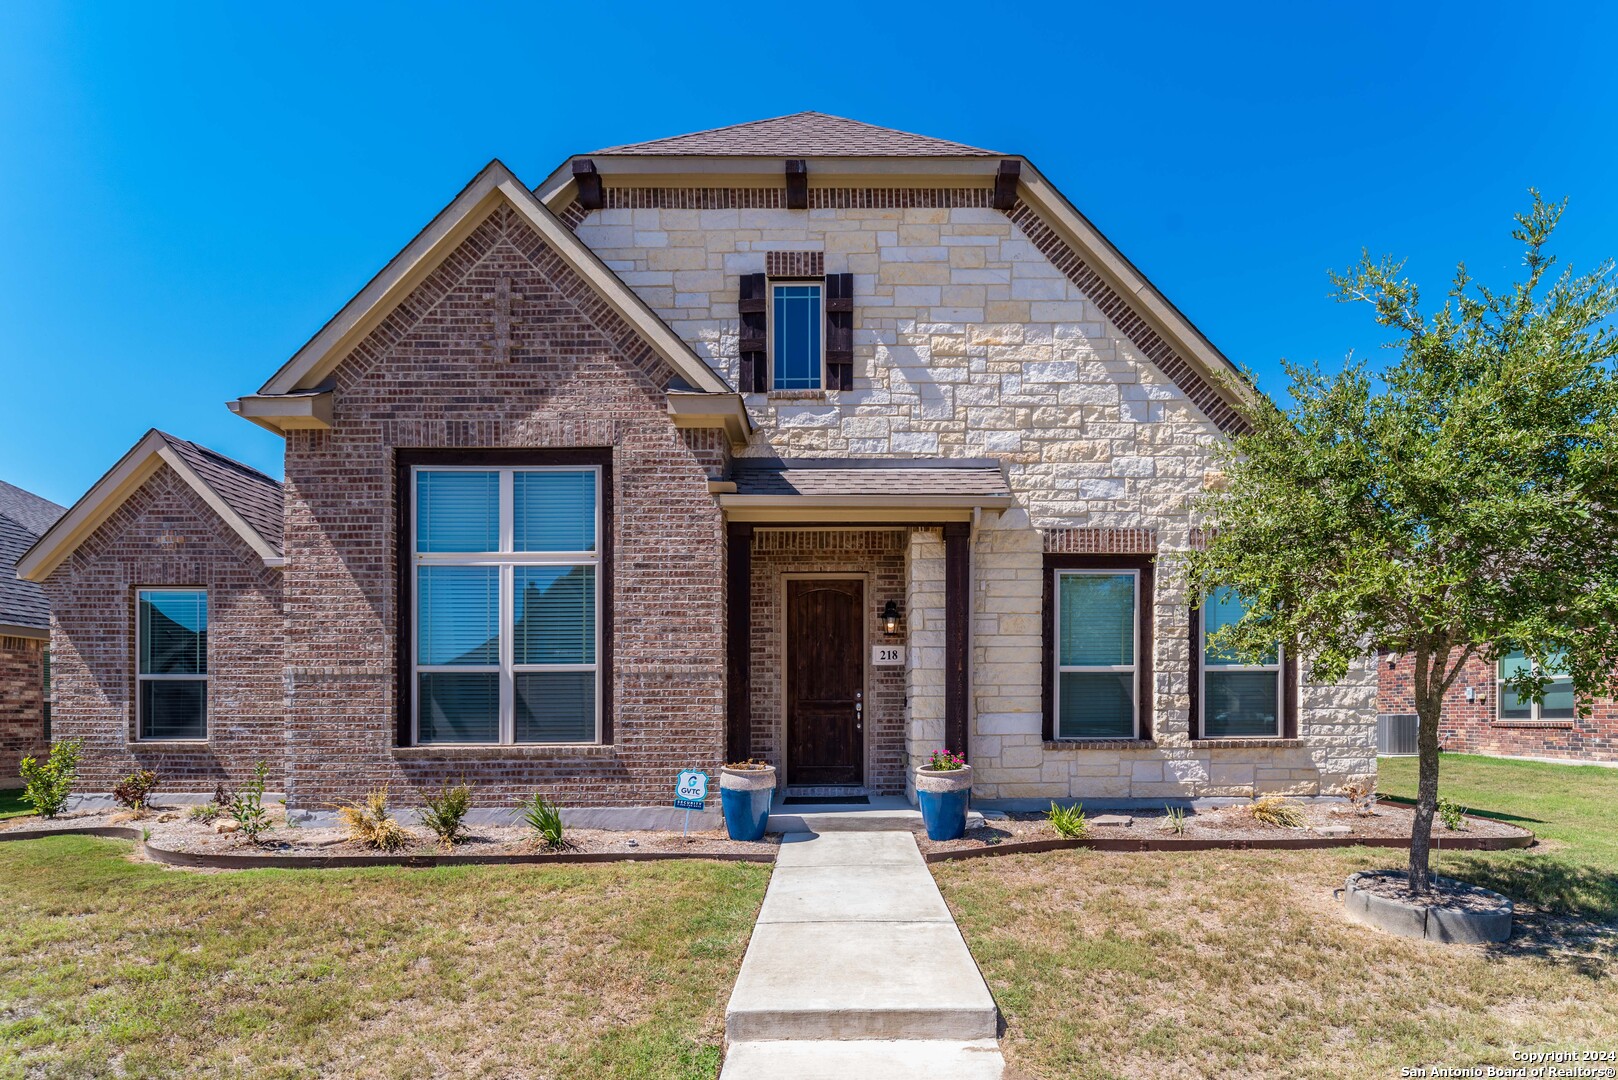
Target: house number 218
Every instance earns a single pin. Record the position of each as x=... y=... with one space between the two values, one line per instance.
x=887 y=655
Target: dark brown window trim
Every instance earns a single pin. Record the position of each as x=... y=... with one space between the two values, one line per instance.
x=403 y=461
x=1144 y=680
x=1289 y=700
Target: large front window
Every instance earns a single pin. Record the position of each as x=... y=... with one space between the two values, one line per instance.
x=1238 y=699
x=506 y=614
x=1097 y=619
x=1558 y=702
x=171 y=680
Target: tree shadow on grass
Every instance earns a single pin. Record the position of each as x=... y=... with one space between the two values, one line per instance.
x=1493 y=815
x=1567 y=912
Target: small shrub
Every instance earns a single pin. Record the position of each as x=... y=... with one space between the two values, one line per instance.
x=1362 y=796
x=1451 y=813
x=545 y=818
x=1068 y=821
x=136 y=789
x=1174 y=820
x=1276 y=811
x=207 y=812
x=370 y=823
x=247 y=805
x=945 y=761
x=445 y=812
x=47 y=784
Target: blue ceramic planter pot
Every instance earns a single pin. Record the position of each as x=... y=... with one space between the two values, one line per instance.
x=943 y=797
x=744 y=796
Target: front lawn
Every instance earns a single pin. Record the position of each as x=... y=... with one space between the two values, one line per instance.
x=114 y=967
x=1241 y=963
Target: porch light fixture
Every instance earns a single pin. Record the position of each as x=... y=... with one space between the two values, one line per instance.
x=890 y=618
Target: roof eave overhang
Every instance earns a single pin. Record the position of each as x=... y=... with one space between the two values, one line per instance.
x=37 y=633
x=282 y=413
x=725 y=411
x=858 y=509
x=651 y=170
x=112 y=491
x=495 y=184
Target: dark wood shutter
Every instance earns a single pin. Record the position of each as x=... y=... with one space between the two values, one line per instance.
x=752 y=303
x=1195 y=648
x=839 y=331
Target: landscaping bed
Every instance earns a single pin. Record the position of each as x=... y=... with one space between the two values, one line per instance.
x=1231 y=826
x=170 y=830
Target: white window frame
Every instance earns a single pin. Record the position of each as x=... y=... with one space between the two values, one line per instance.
x=819 y=285
x=1060 y=668
x=207 y=662
x=1535 y=708
x=507 y=559
x=1279 y=667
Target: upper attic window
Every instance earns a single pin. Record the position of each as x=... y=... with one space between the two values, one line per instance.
x=796 y=338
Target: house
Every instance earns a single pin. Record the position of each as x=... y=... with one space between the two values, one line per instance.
x=25 y=627
x=1482 y=715
x=803 y=440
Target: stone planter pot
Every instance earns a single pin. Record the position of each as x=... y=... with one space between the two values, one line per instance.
x=1457 y=913
x=744 y=795
x=943 y=795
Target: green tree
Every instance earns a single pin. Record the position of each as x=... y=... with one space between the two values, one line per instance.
x=1460 y=504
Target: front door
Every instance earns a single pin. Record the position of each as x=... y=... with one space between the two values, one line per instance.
x=825 y=682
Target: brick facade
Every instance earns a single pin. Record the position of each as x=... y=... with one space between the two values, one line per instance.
x=877 y=556
x=22 y=705
x=1471 y=727
x=430 y=377
x=165 y=535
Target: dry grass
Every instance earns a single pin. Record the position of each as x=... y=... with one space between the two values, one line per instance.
x=1226 y=963
x=113 y=967
x=1240 y=963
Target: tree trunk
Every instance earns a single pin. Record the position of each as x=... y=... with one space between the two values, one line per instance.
x=1429 y=694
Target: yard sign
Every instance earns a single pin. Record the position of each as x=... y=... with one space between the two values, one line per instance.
x=690 y=793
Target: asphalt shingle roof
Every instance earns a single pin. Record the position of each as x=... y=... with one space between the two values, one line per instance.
x=897 y=476
x=24 y=517
x=805 y=134
x=256 y=497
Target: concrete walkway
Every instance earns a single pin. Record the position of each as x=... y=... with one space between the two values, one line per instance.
x=856 y=969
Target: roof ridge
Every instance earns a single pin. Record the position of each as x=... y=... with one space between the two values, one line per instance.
x=811 y=139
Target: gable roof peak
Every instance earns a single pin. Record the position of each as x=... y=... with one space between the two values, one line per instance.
x=801 y=134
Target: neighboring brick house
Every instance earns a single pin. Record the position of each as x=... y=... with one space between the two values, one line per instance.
x=801 y=439
x=1482 y=716
x=25 y=628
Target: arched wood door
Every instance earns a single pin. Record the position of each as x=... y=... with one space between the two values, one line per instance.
x=825 y=660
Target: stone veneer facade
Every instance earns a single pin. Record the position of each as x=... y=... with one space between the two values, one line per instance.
x=970 y=341
x=1471 y=727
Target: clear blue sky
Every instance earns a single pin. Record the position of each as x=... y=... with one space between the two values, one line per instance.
x=187 y=192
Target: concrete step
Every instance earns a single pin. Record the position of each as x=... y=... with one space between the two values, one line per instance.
x=864 y=1059
x=884 y=813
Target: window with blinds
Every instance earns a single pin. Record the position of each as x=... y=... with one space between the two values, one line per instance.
x=171 y=671
x=507 y=619
x=1238 y=700
x=1098 y=634
x=796 y=338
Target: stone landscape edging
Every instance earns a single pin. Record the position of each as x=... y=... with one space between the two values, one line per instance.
x=1279 y=843
x=206 y=860
x=222 y=861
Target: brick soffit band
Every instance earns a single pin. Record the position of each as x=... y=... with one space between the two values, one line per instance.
x=1122 y=314
x=1100 y=541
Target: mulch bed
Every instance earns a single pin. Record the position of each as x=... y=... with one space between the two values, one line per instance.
x=1446 y=892
x=1227 y=826
x=172 y=836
